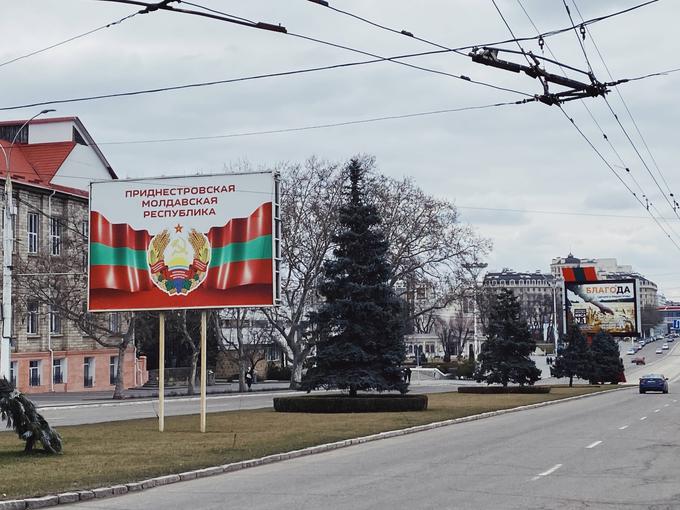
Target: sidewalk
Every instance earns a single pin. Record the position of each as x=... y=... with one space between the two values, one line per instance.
x=98 y=397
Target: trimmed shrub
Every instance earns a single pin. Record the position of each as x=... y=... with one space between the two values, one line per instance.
x=346 y=404
x=487 y=390
x=277 y=373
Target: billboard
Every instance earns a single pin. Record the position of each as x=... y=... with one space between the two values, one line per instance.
x=183 y=242
x=604 y=305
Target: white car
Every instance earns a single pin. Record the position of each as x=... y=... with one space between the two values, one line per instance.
x=630 y=351
x=659 y=351
x=664 y=347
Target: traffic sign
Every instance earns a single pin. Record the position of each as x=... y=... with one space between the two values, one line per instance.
x=676 y=323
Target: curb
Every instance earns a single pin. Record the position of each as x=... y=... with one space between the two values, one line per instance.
x=117 y=490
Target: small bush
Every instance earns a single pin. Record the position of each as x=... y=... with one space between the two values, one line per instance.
x=345 y=404
x=277 y=373
x=466 y=369
x=487 y=390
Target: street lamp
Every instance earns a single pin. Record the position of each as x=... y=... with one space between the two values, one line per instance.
x=8 y=248
x=475 y=268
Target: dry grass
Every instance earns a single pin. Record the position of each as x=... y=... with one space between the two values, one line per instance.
x=119 y=452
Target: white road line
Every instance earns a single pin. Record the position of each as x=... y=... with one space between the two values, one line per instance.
x=593 y=445
x=624 y=427
x=657 y=410
x=666 y=405
x=643 y=418
x=674 y=400
x=546 y=473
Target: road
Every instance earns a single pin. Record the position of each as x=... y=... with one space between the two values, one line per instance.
x=611 y=451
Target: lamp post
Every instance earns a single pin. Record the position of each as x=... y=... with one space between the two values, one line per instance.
x=475 y=268
x=8 y=248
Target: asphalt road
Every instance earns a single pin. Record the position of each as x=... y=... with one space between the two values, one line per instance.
x=611 y=451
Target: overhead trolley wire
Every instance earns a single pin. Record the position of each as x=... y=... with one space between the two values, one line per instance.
x=52 y=46
x=604 y=160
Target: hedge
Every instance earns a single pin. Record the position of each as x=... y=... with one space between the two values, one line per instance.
x=346 y=404
x=500 y=389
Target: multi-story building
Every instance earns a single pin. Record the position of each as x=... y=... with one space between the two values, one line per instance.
x=609 y=269
x=51 y=163
x=539 y=296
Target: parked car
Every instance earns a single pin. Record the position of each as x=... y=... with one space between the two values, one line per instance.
x=640 y=360
x=641 y=343
x=664 y=347
x=631 y=351
x=659 y=351
x=653 y=382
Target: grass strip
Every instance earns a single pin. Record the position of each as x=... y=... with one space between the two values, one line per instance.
x=126 y=451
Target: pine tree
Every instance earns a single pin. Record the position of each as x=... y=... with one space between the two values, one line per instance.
x=360 y=326
x=575 y=360
x=606 y=360
x=504 y=356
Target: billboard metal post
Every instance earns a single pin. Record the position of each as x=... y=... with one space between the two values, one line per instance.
x=204 y=368
x=161 y=372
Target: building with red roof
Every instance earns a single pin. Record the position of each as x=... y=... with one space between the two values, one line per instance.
x=51 y=163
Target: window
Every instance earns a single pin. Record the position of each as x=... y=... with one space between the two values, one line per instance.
x=114 y=322
x=88 y=372
x=113 y=370
x=55 y=236
x=273 y=353
x=58 y=371
x=34 y=373
x=55 y=321
x=13 y=373
x=32 y=318
x=32 y=226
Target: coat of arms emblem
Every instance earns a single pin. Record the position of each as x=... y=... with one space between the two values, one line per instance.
x=178 y=263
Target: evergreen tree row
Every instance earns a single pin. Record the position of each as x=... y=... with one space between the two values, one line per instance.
x=597 y=363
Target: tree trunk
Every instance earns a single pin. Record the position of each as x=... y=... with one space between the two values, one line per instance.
x=571 y=381
x=296 y=371
x=118 y=392
x=352 y=391
x=192 y=376
x=241 y=369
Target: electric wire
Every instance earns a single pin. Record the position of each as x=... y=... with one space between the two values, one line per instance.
x=604 y=160
x=323 y=68
x=625 y=105
x=315 y=126
x=47 y=48
x=580 y=42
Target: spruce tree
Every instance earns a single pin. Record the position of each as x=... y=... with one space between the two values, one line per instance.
x=360 y=325
x=504 y=356
x=575 y=360
x=606 y=360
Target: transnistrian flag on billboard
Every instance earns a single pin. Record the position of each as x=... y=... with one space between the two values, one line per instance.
x=185 y=242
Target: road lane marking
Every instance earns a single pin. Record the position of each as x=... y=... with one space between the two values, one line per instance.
x=666 y=405
x=674 y=400
x=624 y=427
x=593 y=445
x=546 y=473
x=657 y=410
x=643 y=418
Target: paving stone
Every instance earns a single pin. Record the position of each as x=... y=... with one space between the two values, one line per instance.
x=165 y=480
x=134 y=487
x=86 y=495
x=119 y=489
x=68 y=497
x=44 y=502
x=189 y=475
x=103 y=492
x=15 y=504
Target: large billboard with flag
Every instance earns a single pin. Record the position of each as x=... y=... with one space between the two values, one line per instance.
x=609 y=306
x=205 y=241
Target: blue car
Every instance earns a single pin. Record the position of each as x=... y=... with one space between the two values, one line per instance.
x=653 y=382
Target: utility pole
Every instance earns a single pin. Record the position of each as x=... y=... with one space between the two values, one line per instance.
x=475 y=268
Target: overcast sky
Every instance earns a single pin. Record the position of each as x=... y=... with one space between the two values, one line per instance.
x=520 y=174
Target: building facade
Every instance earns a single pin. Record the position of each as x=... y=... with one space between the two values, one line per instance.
x=540 y=298
x=51 y=165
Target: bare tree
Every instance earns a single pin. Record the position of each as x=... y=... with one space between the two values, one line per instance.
x=453 y=332
x=56 y=278
x=244 y=339
x=310 y=197
x=429 y=246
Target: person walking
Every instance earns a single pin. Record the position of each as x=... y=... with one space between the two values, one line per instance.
x=249 y=378
x=407 y=374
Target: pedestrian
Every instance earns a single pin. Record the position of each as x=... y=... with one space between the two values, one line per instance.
x=407 y=374
x=249 y=378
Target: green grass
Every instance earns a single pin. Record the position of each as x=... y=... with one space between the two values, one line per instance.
x=119 y=452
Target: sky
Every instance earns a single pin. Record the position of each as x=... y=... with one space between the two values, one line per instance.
x=521 y=175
